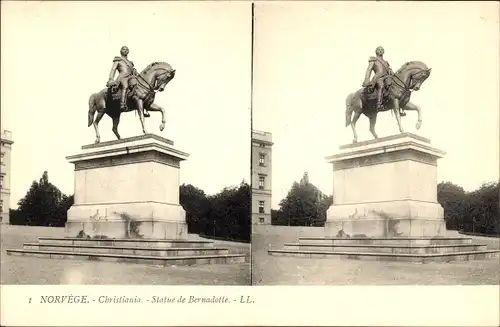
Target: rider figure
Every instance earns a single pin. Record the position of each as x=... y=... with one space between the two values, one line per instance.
x=126 y=78
x=382 y=69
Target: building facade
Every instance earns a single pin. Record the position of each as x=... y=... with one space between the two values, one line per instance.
x=261 y=177
x=5 y=154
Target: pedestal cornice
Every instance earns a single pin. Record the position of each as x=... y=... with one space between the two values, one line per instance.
x=152 y=146
x=414 y=146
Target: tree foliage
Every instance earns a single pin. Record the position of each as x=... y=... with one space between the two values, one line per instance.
x=43 y=205
x=305 y=205
x=225 y=215
x=453 y=199
x=195 y=203
x=474 y=212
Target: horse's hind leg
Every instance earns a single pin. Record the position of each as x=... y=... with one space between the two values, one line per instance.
x=373 y=121
x=96 y=127
x=116 y=121
x=353 y=125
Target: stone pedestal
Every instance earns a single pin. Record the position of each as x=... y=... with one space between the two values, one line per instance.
x=386 y=188
x=128 y=188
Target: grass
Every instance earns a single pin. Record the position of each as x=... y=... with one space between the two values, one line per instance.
x=271 y=270
x=40 y=271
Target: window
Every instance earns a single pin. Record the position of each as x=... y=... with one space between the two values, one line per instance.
x=261 y=207
x=262 y=159
x=262 y=180
x=1 y=206
x=1 y=181
x=1 y=158
x=261 y=220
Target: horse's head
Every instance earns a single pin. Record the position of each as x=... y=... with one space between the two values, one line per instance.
x=413 y=74
x=158 y=75
x=164 y=78
x=419 y=78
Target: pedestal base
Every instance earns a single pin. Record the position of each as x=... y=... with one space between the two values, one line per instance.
x=148 y=229
x=127 y=220
x=386 y=219
x=385 y=228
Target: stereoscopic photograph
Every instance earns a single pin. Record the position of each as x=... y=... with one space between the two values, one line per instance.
x=376 y=144
x=148 y=146
x=125 y=143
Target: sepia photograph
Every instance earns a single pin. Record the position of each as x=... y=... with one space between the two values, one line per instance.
x=216 y=163
x=126 y=143
x=375 y=144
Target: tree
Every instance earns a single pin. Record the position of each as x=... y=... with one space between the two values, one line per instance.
x=326 y=202
x=453 y=199
x=195 y=203
x=474 y=212
x=482 y=209
x=229 y=215
x=225 y=215
x=64 y=206
x=276 y=218
x=305 y=205
x=43 y=205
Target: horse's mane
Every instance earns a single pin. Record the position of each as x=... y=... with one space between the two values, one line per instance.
x=154 y=64
x=407 y=65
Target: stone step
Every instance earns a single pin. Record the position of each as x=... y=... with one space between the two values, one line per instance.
x=387 y=240
x=175 y=251
x=386 y=248
x=129 y=258
x=127 y=242
x=417 y=258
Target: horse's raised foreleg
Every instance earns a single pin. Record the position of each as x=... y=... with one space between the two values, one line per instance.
x=411 y=106
x=116 y=121
x=96 y=126
x=397 y=113
x=355 y=118
x=140 y=109
x=373 y=121
x=155 y=107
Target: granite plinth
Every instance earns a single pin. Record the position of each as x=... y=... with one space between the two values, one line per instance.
x=386 y=188
x=128 y=188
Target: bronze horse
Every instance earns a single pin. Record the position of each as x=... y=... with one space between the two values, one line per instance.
x=153 y=78
x=397 y=95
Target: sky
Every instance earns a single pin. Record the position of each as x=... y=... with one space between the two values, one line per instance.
x=56 y=54
x=310 y=56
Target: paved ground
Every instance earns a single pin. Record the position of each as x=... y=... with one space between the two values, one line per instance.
x=271 y=270
x=30 y=270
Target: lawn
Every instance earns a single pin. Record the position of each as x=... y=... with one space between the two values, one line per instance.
x=271 y=270
x=31 y=270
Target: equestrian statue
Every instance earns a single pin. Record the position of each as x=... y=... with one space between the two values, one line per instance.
x=386 y=91
x=130 y=91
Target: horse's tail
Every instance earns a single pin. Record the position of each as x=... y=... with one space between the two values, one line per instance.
x=92 y=109
x=349 y=109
